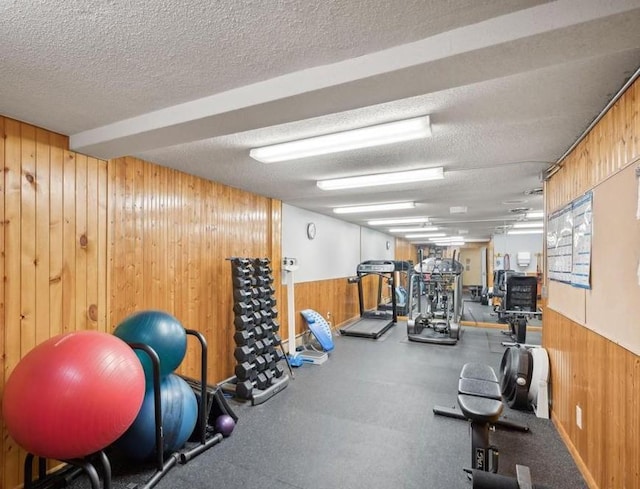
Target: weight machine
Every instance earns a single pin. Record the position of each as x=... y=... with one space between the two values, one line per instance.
x=435 y=301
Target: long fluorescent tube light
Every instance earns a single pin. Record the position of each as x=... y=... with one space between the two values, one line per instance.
x=448 y=238
x=523 y=225
x=525 y=231
x=448 y=243
x=376 y=179
x=393 y=206
x=364 y=137
x=401 y=220
x=426 y=229
x=427 y=235
x=534 y=215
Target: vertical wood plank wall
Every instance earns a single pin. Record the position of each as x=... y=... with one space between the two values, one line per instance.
x=53 y=235
x=171 y=234
x=586 y=369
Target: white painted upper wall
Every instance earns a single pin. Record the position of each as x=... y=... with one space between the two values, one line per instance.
x=511 y=245
x=333 y=253
x=337 y=248
x=373 y=245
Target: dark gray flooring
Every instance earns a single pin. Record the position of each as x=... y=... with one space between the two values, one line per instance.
x=476 y=312
x=364 y=420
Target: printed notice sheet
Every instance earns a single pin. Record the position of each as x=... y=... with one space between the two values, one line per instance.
x=582 y=226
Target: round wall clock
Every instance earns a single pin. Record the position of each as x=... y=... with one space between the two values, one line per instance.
x=311 y=230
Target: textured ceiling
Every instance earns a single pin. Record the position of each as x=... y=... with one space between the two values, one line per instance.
x=509 y=86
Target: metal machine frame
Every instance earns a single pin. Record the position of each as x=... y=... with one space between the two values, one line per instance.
x=373 y=323
x=437 y=284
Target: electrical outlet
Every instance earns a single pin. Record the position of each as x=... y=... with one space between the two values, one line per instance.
x=579 y=416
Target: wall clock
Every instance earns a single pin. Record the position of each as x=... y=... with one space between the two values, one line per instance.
x=311 y=230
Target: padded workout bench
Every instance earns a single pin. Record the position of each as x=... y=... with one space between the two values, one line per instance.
x=480 y=401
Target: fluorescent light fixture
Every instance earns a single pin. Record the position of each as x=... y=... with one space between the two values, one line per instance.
x=523 y=225
x=458 y=209
x=525 y=231
x=393 y=206
x=426 y=229
x=448 y=238
x=448 y=243
x=401 y=220
x=391 y=132
x=376 y=179
x=427 y=235
x=534 y=215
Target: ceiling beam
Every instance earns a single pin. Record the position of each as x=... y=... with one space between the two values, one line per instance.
x=425 y=66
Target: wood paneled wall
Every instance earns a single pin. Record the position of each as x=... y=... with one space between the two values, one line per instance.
x=586 y=369
x=604 y=380
x=406 y=251
x=335 y=299
x=610 y=146
x=53 y=225
x=170 y=237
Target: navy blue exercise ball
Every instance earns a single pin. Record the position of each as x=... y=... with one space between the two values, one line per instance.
x=179 y=415
x=159 y=330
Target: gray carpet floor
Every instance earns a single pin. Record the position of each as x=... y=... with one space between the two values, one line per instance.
x=364 y=420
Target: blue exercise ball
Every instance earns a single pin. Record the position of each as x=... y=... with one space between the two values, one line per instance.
x=159 y=330
x=179 y=415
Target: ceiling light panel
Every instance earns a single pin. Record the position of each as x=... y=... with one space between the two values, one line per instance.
x=426 y=229
x=425 y=235
x=377 y=179
x=525 y=231
x=535 y=215
x=378 y=135
x=523 y=225
x=393 y=206
x=400 y=220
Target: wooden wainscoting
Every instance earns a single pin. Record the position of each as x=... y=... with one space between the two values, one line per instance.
x=604 y=380
x=170 y=237
x=53 y=227
x=335 y=299
x=405 y=251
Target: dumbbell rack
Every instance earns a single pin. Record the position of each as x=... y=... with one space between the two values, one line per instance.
x=259 y=374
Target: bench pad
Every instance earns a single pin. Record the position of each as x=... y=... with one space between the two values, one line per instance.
x=478 y=371
x=480 y=388
x=480 y=409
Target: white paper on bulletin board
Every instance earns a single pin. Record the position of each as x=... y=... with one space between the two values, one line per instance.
x=582 y=217
x=560 y=245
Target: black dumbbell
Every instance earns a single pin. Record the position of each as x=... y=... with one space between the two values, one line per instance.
x=270 y=359
x=246 y=353
x=244 y=322
x=243 y=283
x=266 y=292
x=242 y=271
x=275 y=325
x=246 y=371
x=244 y=337
x=242 y=295
x=245 y=388
x=278 y=371
x=260 y=363
x=267 y=302
x=269 y=375
x=241 y=308
x=267 y=343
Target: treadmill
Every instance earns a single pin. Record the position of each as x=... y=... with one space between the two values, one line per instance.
x=372 y=323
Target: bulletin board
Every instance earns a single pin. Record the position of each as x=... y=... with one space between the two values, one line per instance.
x=613 y=303
x=611 y=307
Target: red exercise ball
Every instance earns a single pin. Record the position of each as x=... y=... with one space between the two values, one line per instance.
x=73 y=395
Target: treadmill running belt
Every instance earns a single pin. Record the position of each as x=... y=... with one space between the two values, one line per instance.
x=367 y=328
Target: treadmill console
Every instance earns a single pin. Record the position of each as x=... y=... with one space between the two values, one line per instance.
x=375 y=266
